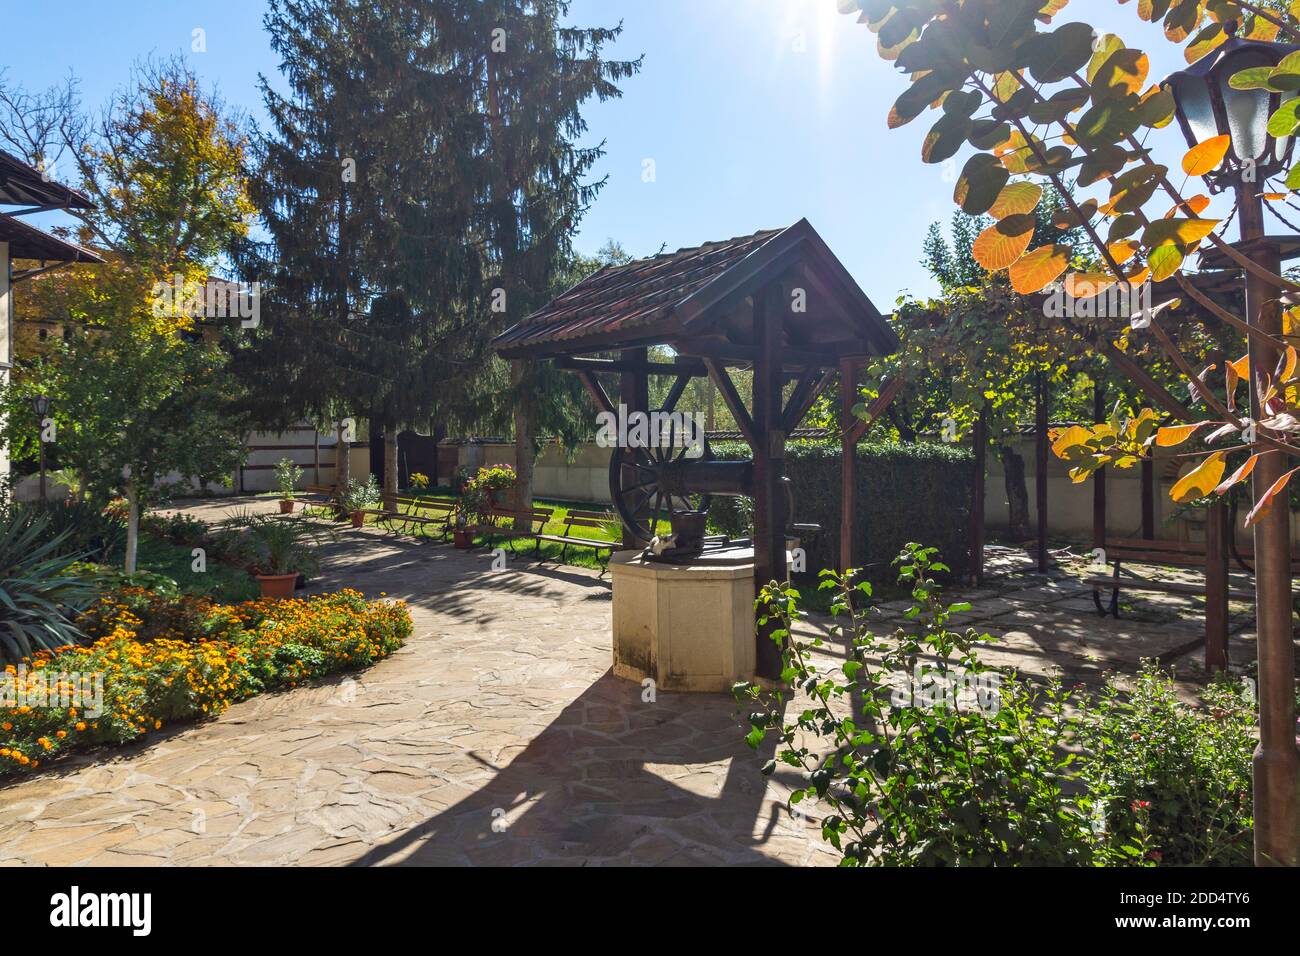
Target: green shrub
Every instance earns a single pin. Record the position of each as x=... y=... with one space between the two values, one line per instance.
x=904 y=492
x=908 y=772
x=1183 y=773
x=80 y=528
x=39 y=589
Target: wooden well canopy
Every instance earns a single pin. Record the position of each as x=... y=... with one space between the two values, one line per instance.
x=777 y=301
x=23 y=185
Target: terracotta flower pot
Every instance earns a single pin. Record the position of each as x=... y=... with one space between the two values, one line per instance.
x=286 y=506
x=278 y=585
x=358 y=519
x=463 y=538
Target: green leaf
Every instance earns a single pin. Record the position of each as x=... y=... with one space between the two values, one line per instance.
x=1254 y=78
x=1284 y=120
x=979 y=184
x=1051 y=57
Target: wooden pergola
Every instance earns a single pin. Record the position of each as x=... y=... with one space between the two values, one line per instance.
x=1205 y=297
x=777 y=302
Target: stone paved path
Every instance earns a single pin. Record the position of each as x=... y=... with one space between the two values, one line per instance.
x=497 y=735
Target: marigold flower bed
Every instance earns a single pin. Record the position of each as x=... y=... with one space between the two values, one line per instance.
x=163 y=658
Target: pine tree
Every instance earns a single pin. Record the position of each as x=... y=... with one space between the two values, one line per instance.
x=532 y=76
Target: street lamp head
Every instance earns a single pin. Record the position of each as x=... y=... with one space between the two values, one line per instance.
x=41 y=405
x=1207 y=105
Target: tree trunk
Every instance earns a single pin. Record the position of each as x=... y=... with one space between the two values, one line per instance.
x=132 y=524
x=342 y=460
x=1013 y=468
x=525 y=455
x=390 y=461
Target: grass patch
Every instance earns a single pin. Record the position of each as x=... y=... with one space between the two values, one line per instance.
x=221 y=582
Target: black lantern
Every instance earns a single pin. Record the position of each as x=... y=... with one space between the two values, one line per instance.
x=1207 y=106
x=41 y=405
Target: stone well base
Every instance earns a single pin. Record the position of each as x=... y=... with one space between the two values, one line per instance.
x=686 y=628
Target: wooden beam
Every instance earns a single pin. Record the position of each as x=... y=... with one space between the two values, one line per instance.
x=888 y=392
x=848 y=460
x=788 y=357
x=1040 y=467
x=1155 y=391
x=691 y=367
x=980 y=443
x=598 y=395
x=675 y=393
x=1099 y=479
x=1216 y=586
x=769 y=460
x=722 y=380
x=1148 y=499
x=811 y=384
x=634 y=392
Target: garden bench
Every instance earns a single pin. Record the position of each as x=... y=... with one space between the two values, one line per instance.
x=1122 y=580
x=403 y=514
x=501 y=523
x=582 y=519
x=318 y=499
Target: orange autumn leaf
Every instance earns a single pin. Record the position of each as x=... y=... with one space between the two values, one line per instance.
x=1200 y=481
x=1197 y=204
x=1124 y=250
x=1174 y=435
x=1206 y=157
x=999 y=245
x=1039 y=268
x=1262 y=506
x=1016 y=199
x=1238 y=476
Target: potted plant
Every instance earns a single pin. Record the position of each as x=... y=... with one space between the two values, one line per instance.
x=287 y=476
x=477 y=500
x=357 y=496
x=462 y=534
x=278 y=550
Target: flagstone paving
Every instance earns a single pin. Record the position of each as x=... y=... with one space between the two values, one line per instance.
x=498 y=735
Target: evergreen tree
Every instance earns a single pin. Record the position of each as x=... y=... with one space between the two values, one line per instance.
x=420 y=189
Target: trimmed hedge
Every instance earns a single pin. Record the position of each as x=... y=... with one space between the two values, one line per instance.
x=920 y=492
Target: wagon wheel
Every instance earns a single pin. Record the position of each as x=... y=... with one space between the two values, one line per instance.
x=637 y=488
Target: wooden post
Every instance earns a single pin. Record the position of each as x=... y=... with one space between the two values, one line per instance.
x=1148 y=500
x=848 y=460
x=1216 y=586
x=1040 y=468
x=1276 y=761
x=634 y=394
x=1099 y=480
x=769 y=461
x=980 y=441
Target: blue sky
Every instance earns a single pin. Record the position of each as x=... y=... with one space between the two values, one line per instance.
x=754 y=112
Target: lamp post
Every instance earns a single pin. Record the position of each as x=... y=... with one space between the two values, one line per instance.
x=1206 y=105
x=41 y=406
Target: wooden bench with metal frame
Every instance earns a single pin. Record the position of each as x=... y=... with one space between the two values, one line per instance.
x=402 y=514
x=538 y=518
x=1191 y=554
x=319 y=499
x=582 y=519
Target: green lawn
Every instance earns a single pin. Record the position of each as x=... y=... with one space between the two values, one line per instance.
x=221 y=582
